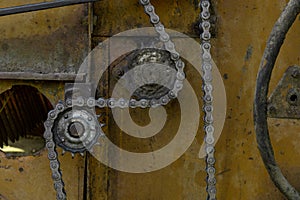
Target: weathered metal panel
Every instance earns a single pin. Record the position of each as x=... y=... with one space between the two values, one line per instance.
x=117 y=16
x=49 y=44
x=48 y=41
x=243 y=28
x=284 y=100
x=30 y=177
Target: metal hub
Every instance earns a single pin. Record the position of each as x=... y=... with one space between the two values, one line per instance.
x=76 y=130
x=150 y=65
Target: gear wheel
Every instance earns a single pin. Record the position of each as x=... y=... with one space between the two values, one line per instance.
x=76 y=130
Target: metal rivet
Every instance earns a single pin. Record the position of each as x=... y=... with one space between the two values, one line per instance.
x=69 y=102
x=52 y=114
x=150 y=9
x=59 y=107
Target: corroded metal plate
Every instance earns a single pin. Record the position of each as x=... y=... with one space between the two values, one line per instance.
x=284 y=101
x=145 y=65
x=53 y=41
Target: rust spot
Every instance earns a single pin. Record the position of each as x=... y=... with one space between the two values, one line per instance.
x=22 y=112
x=248 y=53
x=225 y=76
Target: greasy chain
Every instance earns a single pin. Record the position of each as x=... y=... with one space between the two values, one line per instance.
x=80 y=102
x=208 y=99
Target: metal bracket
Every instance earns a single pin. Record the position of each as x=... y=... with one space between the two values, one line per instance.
x=284 y=102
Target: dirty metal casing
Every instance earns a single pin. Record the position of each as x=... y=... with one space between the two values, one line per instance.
x=237 y=53
x=44 y=45
x=284 y=101
x=152 y=60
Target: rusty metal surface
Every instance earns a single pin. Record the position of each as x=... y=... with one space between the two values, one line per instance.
x=131 y=61
x=40 y=45
x=237 y=52
x=117 y=16
x=49 y=41
x=22 y=112
x=14 y=173
x=240 y=171
x=274 y=43
x=45 y=77
x=28 y=178
x=284 y=101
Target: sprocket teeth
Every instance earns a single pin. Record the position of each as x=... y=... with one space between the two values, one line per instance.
x=102 y=125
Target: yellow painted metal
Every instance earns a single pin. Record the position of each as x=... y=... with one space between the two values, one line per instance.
x=243 y=27
x=242 y=30
x=29 y=177
x=47 y=41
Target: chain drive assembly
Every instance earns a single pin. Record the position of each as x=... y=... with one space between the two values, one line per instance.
x=74 y=126
x=208 y=98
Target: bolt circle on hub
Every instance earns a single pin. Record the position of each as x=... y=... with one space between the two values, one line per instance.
x=77 y=132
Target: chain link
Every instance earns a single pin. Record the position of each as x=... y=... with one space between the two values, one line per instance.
x=208 y=98
x=112 y=103
x=52 y=153
x=169 y=46
x=143 y=103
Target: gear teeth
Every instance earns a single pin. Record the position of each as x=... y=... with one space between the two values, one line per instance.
x=101 y=125
x=98 y=144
